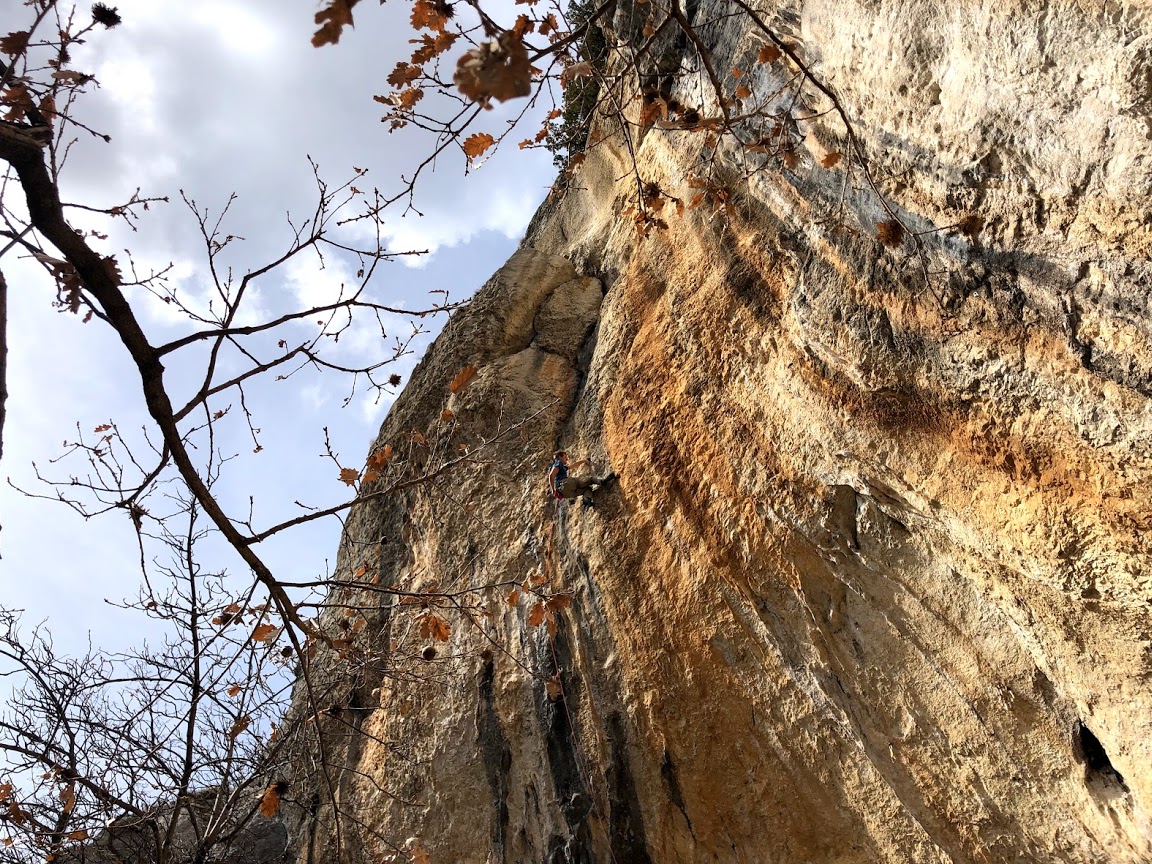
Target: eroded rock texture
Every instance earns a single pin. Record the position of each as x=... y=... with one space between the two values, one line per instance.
x=874 y=582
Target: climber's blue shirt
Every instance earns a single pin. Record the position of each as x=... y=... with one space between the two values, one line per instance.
x=561 y=475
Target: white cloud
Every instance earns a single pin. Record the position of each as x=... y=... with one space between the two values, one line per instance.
x=313 y=396
x=216 y=97
x=243 y=31
x=314 y=284
x=489 y=207
x=130 y=81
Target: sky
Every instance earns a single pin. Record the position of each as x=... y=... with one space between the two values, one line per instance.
x=215 y=98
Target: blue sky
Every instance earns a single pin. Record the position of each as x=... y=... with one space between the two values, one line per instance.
x=214 y=98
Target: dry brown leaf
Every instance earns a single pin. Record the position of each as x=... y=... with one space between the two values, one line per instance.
x=19 y=102
x=890 y=232
x=970 y=225
x=742 y=92
x=513 y=597
x=404 y=73
x=536 y=614
x=831 y=160
x=332 y=19
x=239 y=726
x=379 y=459
x=407 y=99
x=558 y=601
x=15 y=814
x=71 y=76
x=447 y=415
x=78 y=835
x=14 y=43
x=474 y=147
x=68 y=797
x=578 y=70
x=349 y=476
x=112 y=268
x=263 y=633
x=549 y=24
x=462 y=379
x=233 y=691
x=552 y=685
x=444 y=41
x=768 y=54
x=655 y=110
x=48 y=107
x=270 y=803
x=495 y=70
x=790 y=158
x=432 y=626
x=431 y=14
x=430 y=46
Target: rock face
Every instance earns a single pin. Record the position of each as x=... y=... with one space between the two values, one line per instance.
x=874 y=582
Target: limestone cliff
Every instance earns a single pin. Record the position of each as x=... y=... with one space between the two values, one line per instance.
x=874 y=582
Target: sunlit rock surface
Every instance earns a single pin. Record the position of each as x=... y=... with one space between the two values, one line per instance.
x=874 y=582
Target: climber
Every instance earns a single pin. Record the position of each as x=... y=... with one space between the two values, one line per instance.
x=562 y=486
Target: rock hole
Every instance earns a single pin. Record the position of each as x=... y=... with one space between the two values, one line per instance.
x=843 y=520
x=1097 y=766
